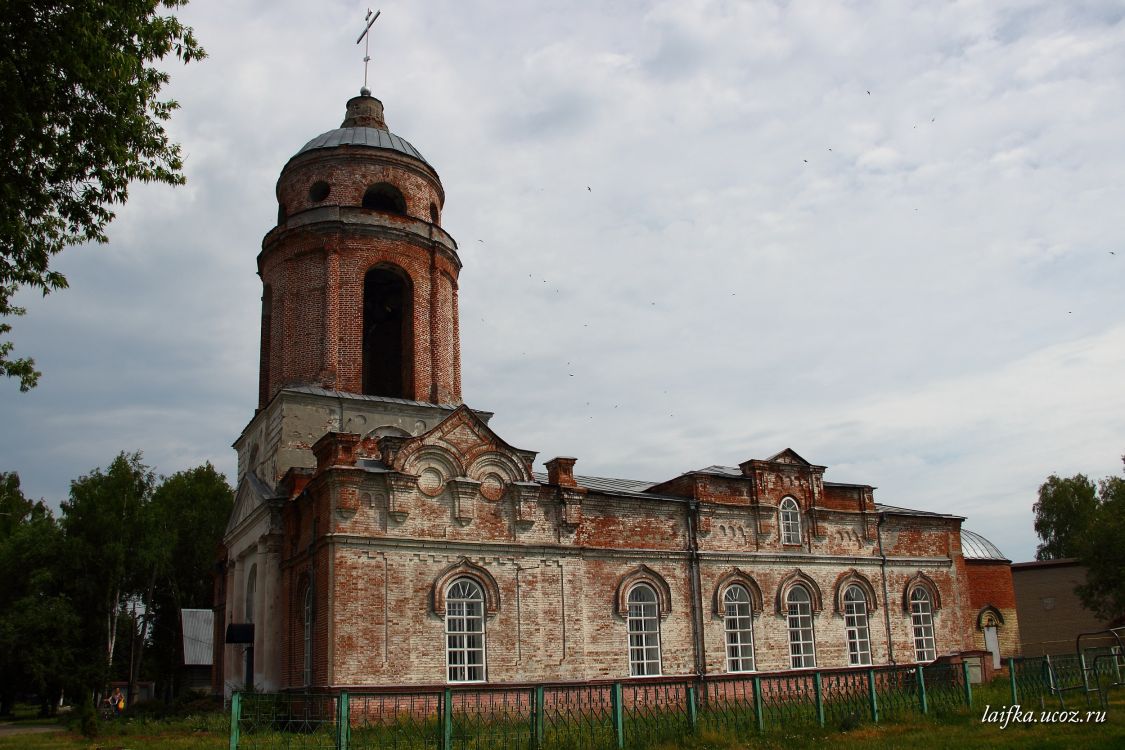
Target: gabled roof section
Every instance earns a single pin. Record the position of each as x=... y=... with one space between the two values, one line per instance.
x=465 y=437
x=251 y=494
x=788 y=456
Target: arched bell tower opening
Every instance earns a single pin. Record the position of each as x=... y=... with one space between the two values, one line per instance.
x=388 y=352
x=385 y=197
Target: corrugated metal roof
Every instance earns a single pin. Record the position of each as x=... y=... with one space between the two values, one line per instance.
x=976 y=547
x=318 y=391
x=199 y=635
x=370 y=137
x=613 y=486
x=723 y=471
x=880 y=507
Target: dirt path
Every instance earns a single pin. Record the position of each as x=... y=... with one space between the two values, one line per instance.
x=7 y=729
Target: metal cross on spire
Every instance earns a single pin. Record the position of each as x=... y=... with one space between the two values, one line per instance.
x=365 y=37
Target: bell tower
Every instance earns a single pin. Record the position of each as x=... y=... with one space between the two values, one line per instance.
x=359 y=279
x=359 y=337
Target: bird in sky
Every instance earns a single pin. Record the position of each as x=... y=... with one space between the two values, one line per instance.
x=588 y=190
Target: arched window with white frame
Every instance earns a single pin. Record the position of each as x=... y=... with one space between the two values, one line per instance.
x=790 y=522
x=738 y=622
x=644 y=631
x=857 y=627
x=464 y=631
x=922 y=622
x=802 y=646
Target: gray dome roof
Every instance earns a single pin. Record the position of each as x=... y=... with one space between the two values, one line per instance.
x=371 y=137
x=976 y=547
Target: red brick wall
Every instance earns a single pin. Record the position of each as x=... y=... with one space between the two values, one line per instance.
x=990 y=583
x=556 y=617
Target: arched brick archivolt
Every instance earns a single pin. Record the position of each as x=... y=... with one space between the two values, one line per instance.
x=646 y=575
x=797 y=577
x=922 y=580
x=989 y=616
x=850 y=578
x=465 y=569
x=434 y=465
x=732 y=578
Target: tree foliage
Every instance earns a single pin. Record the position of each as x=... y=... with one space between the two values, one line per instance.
x=1076 y=518
x=1063 y=514
x=96 y=594
x=81 y=119
x=1104 y=554
x=104 y=526
x=38 y=622
x=194 y=507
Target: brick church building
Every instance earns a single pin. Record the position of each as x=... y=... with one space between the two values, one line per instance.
x=384 y=535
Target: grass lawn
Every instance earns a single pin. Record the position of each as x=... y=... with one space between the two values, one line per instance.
x=952 y=730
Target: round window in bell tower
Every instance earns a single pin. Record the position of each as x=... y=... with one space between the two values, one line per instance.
x=319 y=191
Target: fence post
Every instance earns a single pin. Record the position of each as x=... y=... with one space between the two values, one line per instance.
x=871 y=696
x=235 y=716
x=537 y=717
x=759 y=707
x=1012 y=679
x=447 y=720
x=343 y=721
x=618 y=715
x=818 y=690
x=968 y=684
x=693 y=718
x=922 y=704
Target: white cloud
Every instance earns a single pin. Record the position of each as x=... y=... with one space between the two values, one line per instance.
x=927 y=304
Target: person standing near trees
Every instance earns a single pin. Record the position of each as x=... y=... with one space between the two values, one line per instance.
x=116 y=701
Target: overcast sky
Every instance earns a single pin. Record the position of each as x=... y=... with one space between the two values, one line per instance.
x=890 y=236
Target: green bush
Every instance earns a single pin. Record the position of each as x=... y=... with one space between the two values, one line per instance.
x=87 y=718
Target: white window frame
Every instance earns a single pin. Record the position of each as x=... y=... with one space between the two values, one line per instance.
x=799 y=623
x=857 y=626
x=306 y=670
x=251 y=593
x=922 y=623
x=643 y=623
x=738 y=622
x=790 y=516
x=464 y=631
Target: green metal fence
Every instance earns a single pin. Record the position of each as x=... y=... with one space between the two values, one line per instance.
x=1054 y=680
x=613 y=716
